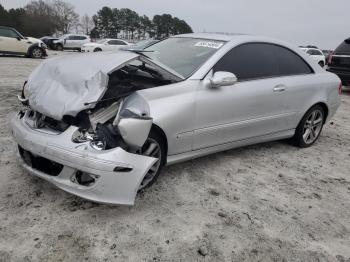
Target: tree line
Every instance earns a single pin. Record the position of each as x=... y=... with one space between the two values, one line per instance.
x=56 y=17
x=113 y=22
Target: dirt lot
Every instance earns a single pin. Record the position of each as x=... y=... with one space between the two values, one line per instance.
x=270 y=202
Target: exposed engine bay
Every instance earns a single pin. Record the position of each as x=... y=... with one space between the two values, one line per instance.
x=116 y=118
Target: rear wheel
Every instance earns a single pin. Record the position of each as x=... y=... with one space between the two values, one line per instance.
x=97 y=50
x=153 y=147
x=321 y=63
x=310 y=127
x=36 y=52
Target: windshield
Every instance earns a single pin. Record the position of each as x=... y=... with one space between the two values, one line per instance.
x=183 y=55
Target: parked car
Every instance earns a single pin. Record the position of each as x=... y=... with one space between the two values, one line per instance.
x=107 y=44
x=102 y=126
x=49 y=42
x=339 y=62
x=327 y=54
x=71 y=42
x=315 y=54
x=12 y=42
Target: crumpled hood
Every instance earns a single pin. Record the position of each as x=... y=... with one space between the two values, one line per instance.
x=60 y=86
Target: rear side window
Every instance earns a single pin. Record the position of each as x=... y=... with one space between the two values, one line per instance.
x=290 y=63
x=8 y=33
x=344 y=48
x=249 y=61
x=262 y=60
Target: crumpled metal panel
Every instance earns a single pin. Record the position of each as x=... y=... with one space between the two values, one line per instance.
x=60 y=86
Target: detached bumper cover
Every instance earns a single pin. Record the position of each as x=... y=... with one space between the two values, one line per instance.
x=110 y=186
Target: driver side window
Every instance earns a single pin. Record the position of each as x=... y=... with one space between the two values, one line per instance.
x=8 y=33
x=249 y=61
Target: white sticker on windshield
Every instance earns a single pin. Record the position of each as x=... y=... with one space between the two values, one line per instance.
x=209 y=44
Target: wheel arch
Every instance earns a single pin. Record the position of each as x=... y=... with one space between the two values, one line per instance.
x=324 y=107
x=162 y=134
x=31 y=47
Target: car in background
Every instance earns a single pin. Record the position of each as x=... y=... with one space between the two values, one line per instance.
x=71 y=42
x=102 y=126
x=339 y=62
x=143 y=44
x=315 y=54
x=49 y=41
x=327 y=54
x=12 y=42
x=107 y=44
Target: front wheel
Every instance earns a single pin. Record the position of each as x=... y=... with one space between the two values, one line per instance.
x=36 y=53
x=59 y=47
x=153 y=147
x=310 y=127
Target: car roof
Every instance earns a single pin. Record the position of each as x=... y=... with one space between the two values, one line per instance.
x=214 y=36
x=234 y=38
x=7 y=27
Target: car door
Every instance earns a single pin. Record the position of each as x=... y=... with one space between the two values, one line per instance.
x=257 y=105
x=69 y=41
x=10 y=41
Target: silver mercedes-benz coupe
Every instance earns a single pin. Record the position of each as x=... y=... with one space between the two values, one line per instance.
x=102 y=125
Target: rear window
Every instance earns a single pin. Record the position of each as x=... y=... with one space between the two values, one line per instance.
x=344 y=47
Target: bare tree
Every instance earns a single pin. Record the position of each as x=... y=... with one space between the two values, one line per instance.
x=87 y=24
x=67 y=19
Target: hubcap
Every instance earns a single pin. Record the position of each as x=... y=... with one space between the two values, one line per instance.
x=312 y=126
x=37 y=53
x=151 y=148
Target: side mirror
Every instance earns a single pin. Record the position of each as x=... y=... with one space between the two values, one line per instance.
x=221 y=78
x=18 y=38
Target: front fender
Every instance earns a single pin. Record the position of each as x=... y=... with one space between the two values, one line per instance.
x=134 y=121
x=33 y=46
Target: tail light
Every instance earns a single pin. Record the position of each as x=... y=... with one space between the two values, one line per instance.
x=330 y=58
x=340 y=88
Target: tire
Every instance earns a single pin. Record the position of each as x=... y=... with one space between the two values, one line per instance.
x=310 y=127
x=97 y=50
x=59 y=47
x=321 y=64
x=36 y=52
x=154 y=172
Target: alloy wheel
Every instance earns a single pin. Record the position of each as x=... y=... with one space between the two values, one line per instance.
x=37 y=53
x=312 y=126
x=151 y=148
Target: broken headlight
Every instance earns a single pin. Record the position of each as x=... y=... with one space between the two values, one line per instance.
x=82 y=136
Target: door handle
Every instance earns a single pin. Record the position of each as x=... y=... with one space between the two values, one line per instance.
x=279 y=88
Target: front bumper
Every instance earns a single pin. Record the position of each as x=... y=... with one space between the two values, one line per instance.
x=110 y=186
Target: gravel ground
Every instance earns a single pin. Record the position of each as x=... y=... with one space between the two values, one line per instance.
x=269 y=202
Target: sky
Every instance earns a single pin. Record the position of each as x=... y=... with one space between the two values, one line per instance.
x=301 y=22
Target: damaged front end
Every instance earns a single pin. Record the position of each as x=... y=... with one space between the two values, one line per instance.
x=88 y=140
